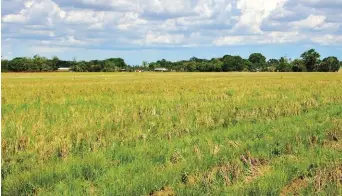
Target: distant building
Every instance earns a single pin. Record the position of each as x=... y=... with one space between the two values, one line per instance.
x=64 y=69
x=123 y=70
x=160 y=69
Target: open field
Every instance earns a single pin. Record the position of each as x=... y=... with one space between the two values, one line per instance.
x=171 y=133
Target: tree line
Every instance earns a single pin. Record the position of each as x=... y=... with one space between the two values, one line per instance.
x=309 y=61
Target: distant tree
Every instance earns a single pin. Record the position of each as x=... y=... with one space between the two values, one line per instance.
x=272 y=62
x=178 y=66
x=117 y=62
x=54 y=63
x=20 y=64
x=205 y=66
x=248 y=65
x=40 y=64
x=227 y=63
x=80 y=67
x=152 y=66
x=233 y=63
x=145 y=65
x=4 y=65
x=329 y=64
x=217 y=64
x=109 y=66
x=164 y=63
x=95 y=67
x=272 y=65
x=298 y=65
x=284 y=65
x=310 y=59
x=191 y=66
x=258 y=61
x=62 y=63
x=195 y=59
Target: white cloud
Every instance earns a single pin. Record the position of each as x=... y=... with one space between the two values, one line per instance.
x=274 y=37
x=15 y=18
x=37 y=12
x=253 y=12
x=163 y=38
x=39 y=49
x=37 y=32
x=229 y=40
x=129 y=20
x=321 y=2
x=328 y=39
x=317 y=22
x=125 y=24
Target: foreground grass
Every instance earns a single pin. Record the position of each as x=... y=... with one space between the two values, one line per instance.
x=184 y=134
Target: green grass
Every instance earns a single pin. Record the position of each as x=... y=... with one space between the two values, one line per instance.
x=172 y=133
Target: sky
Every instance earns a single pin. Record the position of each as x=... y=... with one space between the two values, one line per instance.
x=149 y=30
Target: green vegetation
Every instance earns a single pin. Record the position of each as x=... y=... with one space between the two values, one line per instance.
x=171 y=133
x=309 y=61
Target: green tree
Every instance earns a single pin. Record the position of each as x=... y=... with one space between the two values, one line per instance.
x=298 y=66
x=217 y=64
x=54 y=63
x=152 y=66
x=109 y=66
x=20 y=64
x=118 y=62
x=4 y=65
x=310 y=59
x=272 y=65
x=191 y=66
x=40 y=64
x=284 y=65
x=258 y=62
x=145 y=65
x=233 y=63
x=81 y=66
x=329 y=64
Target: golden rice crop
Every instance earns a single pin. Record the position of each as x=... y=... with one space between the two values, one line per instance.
x=177 y=133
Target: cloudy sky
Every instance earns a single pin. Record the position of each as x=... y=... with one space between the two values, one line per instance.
x=138 y=30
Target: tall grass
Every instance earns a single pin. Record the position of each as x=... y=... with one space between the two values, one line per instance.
x=171 y=133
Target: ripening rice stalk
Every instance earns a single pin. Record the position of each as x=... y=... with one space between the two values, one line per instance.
x=129 y=134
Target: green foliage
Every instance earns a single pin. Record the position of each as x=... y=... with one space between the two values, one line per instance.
x=20 y=64
x=298 y=66
x=284 y=65
x=256 y=62
x=35 y=64
x=311 y=59
x=233 y=63
x=4 y=65
x=272 y=65
x=329 y=64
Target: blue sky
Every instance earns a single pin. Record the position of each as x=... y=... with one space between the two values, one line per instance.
x=138 y=30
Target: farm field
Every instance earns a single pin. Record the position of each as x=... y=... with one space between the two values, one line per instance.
x=171 y=133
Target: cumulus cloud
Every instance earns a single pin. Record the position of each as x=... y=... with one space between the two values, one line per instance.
x=37 y=12
x=322 y=3
x=328 y=39
x=162 y=38
x=106 y=24
x=317 y=22
x=275 y=37
x=253 y=12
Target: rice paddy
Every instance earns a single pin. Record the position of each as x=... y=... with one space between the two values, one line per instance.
x=171 y=133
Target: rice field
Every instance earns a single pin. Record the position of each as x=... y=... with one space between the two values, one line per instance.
x=171 y=133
